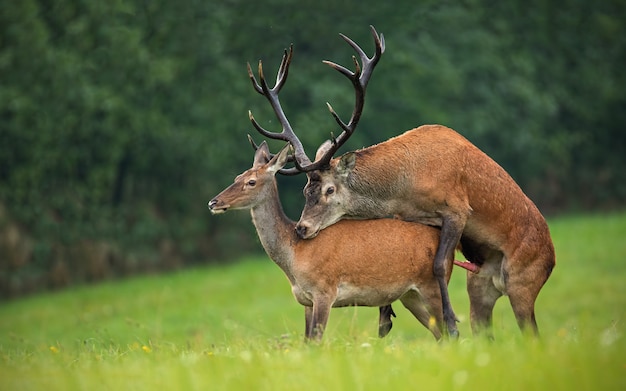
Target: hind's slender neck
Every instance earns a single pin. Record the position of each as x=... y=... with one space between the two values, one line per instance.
x=276 y=231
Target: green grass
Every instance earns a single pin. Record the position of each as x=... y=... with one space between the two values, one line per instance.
x=237 y=327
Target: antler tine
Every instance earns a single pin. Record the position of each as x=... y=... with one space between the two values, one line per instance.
x=283 y=70
x=359 y=78
x=263 y=131
x=252 y=143
x=255 y=84
x=281 y=76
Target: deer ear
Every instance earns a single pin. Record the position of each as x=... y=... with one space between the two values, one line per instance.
x=322 y=149
x=346 y=164
x=262 y=154
x=280 y=159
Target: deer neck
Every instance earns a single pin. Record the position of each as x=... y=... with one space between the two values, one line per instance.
x=365 y=202
x=373 y=187
x=276 y=231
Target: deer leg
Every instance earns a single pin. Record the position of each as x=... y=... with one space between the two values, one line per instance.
x=523 y=286
x=384 y=320
x=524 y=310
x=483 y=296
x=430 y=319
x=319 y=318
x=522 y=294
x=451 y=230
x=308 y=318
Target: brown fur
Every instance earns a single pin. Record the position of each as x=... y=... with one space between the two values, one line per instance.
x=368 y=263
x=435 y=176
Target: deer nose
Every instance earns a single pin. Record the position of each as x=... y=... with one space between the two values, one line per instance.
x=212 y=203
x=301 y=231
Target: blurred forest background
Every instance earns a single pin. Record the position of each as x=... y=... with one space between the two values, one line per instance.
x=119 y=120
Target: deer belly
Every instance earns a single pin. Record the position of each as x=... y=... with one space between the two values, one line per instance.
x=349 y=295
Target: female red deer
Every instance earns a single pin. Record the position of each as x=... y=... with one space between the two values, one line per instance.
x=431 y=175
x=368 y=263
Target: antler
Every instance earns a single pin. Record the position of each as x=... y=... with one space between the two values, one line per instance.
x=359 y=78
x=271 y=94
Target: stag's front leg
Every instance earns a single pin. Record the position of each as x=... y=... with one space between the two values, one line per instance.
x=451 y=230
x=384 y=320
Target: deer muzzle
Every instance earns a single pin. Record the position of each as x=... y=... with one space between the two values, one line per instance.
x=217 y=207
x=305 y=232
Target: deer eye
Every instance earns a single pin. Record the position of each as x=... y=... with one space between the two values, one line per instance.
x=330 y=190
x=251 y=182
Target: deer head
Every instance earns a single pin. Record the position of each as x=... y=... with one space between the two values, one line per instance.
x=250 y=187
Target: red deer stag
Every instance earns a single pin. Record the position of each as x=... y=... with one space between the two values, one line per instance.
x=340 y=267
x=431 y=175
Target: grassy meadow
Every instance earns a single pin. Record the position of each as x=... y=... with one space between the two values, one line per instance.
x=237 y=327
